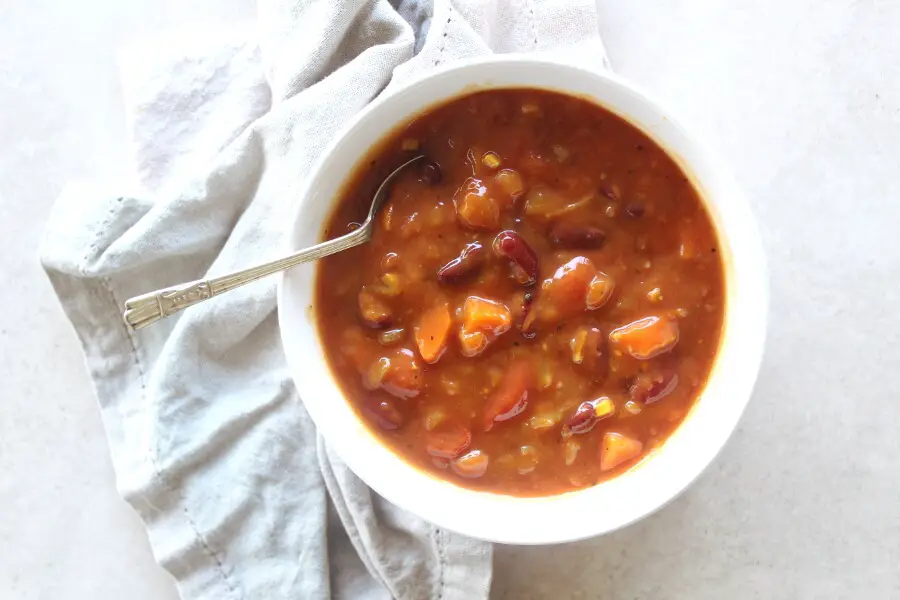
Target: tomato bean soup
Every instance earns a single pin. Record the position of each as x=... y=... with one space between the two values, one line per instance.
x=542 y=299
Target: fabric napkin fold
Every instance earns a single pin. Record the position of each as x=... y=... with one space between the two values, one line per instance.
x=210 y=442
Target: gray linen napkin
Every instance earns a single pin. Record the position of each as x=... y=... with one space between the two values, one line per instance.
x=210 y=443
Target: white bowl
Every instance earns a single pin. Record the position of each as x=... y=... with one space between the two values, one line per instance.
x=574 y=515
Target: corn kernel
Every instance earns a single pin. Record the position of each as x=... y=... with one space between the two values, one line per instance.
x=490 y=160
x=605 y=407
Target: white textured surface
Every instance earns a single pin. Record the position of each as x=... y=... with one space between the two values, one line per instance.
x=801 y=97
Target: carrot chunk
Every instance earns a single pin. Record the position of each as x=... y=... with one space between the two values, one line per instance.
x=431 y=333
x=483 y=321
x=482 y=314
x=567 y=289
x=647 y=337
x=511 y=397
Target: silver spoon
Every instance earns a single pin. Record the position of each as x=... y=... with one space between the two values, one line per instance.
x=147 y=309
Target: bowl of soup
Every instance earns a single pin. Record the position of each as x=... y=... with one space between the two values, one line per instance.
x=559 y=318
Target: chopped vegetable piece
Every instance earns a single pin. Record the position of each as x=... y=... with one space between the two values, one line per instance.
x=431 y=333
x=490 y=316
x=632 y=408
x=618 y=448
x=510 y=183
x=587 y=346
x=570 y=451
x=398 y=374
x=472 y=343
x=545 y=203
x=409 y=144
x=542 y=422
x=475 y=208
x=391 y=336
x=434 y=417
x=528 y=460
x=384 y=412
x=600 y=290
x=567 y=289
x=471 y=465
x=647 y=337
x=449 y=441
x=388 y=286
x=373 y=377
x=522 y=259
x=655 y=295
x=511 y=398
x=375 y=312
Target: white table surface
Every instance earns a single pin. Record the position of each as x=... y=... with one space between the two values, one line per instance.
x=802 y=97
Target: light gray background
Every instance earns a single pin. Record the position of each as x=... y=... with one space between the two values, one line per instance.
x=801 y=97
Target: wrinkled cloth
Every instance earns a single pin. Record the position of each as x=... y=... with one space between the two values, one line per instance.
x=210 y=442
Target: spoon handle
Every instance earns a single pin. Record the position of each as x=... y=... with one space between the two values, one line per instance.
x=149 y=308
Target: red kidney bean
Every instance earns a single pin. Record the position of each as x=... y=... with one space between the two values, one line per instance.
x=653 y=386
x=608 y=192
x=468 y=261
x=575 y=235
x=522 y=259
x=384 y=412
x=582 y=420
x=430 y=172
x=585 y=416
x=635 y=210
x=448 y=442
